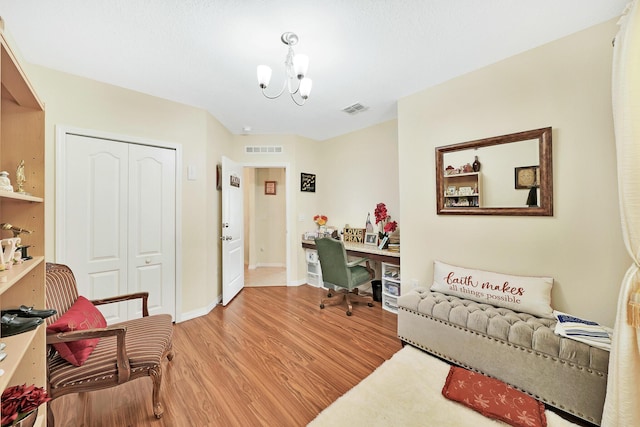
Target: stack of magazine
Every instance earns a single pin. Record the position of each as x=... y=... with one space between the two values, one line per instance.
x=582 y=330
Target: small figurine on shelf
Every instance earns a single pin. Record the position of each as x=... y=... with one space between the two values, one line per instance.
x=21 y=178
x=5 y=183
x=476 y=164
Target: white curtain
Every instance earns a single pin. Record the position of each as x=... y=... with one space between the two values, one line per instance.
x=622 y=405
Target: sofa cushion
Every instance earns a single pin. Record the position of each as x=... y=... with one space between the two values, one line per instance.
x=525 y=294
x=82 y=315
x=493 y=398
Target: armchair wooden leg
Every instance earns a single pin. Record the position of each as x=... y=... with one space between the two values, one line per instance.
x=51 y=422
x=170 y=353
x=156 y=377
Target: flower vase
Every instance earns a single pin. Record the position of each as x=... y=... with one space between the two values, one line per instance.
x=28 y=421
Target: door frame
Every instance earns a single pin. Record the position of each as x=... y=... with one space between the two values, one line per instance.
x=61 y=132
x=288 y=197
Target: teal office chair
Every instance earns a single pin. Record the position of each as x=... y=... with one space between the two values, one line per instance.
x=337 y=271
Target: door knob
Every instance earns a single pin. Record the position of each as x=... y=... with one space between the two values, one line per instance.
x=147 y=261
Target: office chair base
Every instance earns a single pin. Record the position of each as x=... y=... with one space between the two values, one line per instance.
x=336 y=297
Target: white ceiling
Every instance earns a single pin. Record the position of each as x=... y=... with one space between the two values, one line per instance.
x=205 y=52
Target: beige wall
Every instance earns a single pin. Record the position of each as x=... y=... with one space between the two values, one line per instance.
x=357 y=171
x=82 y=103
x=566 y=85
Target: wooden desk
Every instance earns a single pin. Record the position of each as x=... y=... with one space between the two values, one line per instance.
x=362 y=250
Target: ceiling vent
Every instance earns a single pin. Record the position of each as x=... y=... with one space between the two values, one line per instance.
x=355 y=108
x=263 y=149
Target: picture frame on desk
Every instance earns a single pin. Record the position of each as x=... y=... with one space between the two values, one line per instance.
x=371 y=239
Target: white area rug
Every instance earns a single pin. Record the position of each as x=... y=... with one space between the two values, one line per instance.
x=406 y=390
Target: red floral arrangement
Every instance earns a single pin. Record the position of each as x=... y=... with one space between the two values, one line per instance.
x=320 y=220
x=384 y=219
x=19 y=400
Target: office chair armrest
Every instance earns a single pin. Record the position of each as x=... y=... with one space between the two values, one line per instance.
x=127 y=297
x=357 y=262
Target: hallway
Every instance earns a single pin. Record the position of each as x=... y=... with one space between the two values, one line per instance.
x=265 y=276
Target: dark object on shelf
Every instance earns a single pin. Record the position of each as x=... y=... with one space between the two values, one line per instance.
x=476 y=165
x=13 y=325
x=532 y=198
x=23 y=251
x=376 y=288
x=24 y=311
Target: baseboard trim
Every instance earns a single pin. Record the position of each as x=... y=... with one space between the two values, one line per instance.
x=200 y=311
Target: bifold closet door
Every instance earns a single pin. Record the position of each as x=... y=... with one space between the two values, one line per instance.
x=119 y=222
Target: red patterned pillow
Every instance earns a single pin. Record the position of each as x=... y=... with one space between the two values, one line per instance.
x=493 y=398
x=81 y=316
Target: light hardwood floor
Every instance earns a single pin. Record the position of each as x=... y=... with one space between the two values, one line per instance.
x=272 y=357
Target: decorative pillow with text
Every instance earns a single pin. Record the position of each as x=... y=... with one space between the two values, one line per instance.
x=519 y=293
x=82 y=315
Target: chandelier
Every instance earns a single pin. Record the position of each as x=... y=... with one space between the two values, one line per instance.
x=296 y=67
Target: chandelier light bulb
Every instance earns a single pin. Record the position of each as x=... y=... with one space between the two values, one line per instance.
x=300 y=65
x=305 y=87
x=264 y=75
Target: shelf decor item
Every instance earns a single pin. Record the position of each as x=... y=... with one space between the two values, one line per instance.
x=20 y=404
x=21 y=178
x=476 y=165
x=5 y=182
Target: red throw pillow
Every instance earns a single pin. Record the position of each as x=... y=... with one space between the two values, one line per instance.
x=81 y=316
x=493 y=398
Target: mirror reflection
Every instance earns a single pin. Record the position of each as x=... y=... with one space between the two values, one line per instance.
x=504 y=175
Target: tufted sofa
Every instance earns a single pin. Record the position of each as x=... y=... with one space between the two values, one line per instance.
x=517 y=348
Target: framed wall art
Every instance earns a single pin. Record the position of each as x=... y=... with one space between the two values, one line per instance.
x=308 y=182
x=270 y=188
x=527 y=177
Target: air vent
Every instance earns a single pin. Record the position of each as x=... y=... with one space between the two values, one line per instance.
x=355 y=108
x=263 y=149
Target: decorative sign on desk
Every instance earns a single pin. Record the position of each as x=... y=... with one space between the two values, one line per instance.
x=354 y=235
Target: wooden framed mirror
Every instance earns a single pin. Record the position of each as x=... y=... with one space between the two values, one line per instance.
x=502 y=175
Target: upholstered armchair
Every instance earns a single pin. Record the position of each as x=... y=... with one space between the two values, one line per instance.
x=84 y=354
x=338 y=271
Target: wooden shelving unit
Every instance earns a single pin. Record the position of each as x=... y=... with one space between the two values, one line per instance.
x=22 y=138
x=455 y=186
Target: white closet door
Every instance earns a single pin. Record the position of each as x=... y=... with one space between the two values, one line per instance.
x=95 y=219
x=119 y=222
x=152 y=217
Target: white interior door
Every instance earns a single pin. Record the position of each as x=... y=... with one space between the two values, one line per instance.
x=232 y=230
x=108 y=231
x=151 y=250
